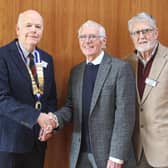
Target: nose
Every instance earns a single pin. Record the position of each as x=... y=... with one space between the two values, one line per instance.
x=89 y=39
x=33 y=28
x=141 y=34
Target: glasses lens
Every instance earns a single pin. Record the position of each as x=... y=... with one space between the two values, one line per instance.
x=92 y=37
x=144 y=32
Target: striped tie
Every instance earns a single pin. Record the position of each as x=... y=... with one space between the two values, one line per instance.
x=33 y=67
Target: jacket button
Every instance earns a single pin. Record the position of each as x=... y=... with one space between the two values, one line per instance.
x=141 y=109
x=142 y=126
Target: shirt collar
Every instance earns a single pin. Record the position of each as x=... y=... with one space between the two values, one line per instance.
x=25 y=52
x=98 y=59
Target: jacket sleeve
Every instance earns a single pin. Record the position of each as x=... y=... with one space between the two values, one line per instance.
x=124 y=113
x=64 y=114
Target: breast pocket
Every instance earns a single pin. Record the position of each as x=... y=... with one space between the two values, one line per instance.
x=108 y=90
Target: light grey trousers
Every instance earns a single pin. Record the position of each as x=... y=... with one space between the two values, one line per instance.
x=86 y=160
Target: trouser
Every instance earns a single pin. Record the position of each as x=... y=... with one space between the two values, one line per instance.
x=143 y=163
x=86 y=160
x=34 y=159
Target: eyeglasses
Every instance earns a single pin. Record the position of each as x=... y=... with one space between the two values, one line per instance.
x=144 y=32
x=91 y=37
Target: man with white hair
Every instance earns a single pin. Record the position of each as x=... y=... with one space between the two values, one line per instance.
x=27 y=92
x=150 y=62
x=101 y=104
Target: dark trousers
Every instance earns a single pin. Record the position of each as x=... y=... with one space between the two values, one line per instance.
x=34 y=159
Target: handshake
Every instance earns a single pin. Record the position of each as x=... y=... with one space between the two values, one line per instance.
x=47 y=123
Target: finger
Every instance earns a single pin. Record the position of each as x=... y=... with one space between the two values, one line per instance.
x=46 y=137
x=48 y=129
x=40 y=133
x=52 y=123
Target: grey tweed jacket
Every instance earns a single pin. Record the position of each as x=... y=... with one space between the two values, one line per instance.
x=112 y=111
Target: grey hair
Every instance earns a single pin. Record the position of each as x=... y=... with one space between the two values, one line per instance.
x=91 y=23
x=143 y=16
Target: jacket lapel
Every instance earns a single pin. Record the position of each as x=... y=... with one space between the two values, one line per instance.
x=101 y=76
x=16 y=58
x=79 y=87
x=134 y=62
x=156 y=69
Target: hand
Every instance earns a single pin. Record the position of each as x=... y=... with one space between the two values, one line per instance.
x=54 y=117
x=46 y=121
x=111 y=164
x=46 y=131
x=44 y=136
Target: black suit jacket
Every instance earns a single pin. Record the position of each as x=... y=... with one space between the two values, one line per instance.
x=18 y=117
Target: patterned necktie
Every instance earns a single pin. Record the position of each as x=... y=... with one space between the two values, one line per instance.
x=33 y=67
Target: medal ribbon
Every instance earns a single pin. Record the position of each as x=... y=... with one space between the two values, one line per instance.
x=37 y=90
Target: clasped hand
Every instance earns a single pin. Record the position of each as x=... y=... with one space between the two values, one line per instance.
x=47 y=123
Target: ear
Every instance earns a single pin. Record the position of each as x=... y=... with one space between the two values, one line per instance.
x=17 y=29
x=156 y=33
x=104 y=42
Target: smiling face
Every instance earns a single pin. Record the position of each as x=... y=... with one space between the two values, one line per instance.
x=90 y=41
x=143 y=35
x=29 y=29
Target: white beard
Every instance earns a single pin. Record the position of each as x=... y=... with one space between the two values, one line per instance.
x=146 y=47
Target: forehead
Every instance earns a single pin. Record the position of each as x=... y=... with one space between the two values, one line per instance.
x=138 y=25
x=31 y=17
x=90 y=30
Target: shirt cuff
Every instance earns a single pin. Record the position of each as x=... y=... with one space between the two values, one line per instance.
x=116 y=160
x=56 y=120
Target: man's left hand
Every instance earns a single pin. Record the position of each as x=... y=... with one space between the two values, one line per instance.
x=44 y=135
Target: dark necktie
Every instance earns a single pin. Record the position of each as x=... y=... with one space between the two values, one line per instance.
x=90 y=64
x=33 y=67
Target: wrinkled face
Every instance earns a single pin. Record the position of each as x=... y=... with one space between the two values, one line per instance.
x=29 y=29
x=143 y=35
x=90 y=41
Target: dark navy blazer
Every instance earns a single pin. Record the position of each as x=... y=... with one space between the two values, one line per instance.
x=18 y=118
